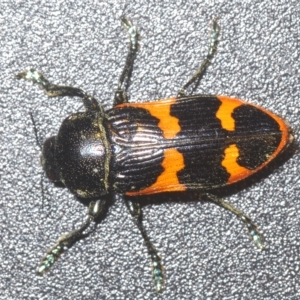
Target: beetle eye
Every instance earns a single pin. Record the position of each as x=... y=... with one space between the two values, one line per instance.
x=48 y=160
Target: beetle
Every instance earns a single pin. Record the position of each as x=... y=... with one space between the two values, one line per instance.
x=187 y=142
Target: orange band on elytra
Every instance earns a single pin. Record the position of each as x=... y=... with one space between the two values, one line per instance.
x=229 y=162
x=224 y=113
x=161 y=110
x=167 y=181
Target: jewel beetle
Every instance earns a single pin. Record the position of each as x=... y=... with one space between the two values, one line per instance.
x=187 y=142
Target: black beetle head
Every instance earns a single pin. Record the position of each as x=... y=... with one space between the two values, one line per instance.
x=48 y=161
x=79 y=155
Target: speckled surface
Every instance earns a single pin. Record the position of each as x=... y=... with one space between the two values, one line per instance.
x=206 y=251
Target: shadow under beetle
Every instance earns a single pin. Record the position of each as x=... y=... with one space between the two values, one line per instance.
x=188 y=142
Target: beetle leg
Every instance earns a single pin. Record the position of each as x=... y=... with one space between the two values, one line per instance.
x=67 y=240
x=157 y=268
x=255 y=235
x=53 y=90
x=123 y=84
x=209 y=56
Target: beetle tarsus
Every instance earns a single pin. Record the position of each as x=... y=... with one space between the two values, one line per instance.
x=157 y=272
x=67 y=240
x=132 y=32
x=157 y=268
x=49 y=259
x=255 y=235
x=214 y=40
x=35 y=77
x=123 y=84
x=54 y=90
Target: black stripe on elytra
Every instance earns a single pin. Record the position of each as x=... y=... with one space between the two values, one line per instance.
x=205 y=141
x=257 y=136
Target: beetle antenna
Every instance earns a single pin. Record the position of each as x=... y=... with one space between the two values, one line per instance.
x=39 y=144
x=43 y=191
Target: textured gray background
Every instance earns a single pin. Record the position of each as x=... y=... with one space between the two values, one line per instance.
x=206 y=251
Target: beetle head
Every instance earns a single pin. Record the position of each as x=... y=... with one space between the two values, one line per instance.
x=48 y=160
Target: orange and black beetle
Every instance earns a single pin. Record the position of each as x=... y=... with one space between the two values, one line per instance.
x=196 y=142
